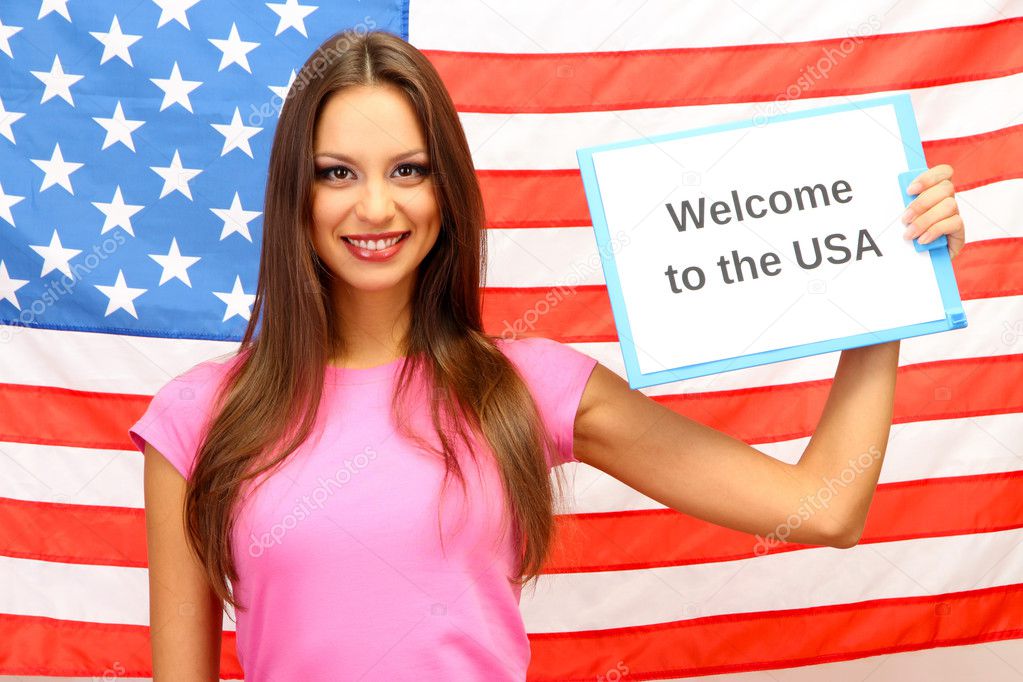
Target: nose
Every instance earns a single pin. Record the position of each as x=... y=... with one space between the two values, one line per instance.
x=375 y=205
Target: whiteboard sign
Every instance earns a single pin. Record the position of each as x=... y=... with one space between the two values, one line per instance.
x=765 y=240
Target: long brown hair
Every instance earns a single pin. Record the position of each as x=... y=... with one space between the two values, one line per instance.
x=279 y=377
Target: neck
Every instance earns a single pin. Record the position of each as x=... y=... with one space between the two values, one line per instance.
x=372 y=323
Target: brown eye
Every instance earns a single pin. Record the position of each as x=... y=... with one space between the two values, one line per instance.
x=421 y=170
x=332 y=173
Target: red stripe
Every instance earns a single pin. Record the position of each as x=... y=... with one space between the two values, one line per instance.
x=51 y=647
x=936 y=390
x=932 y=390
x=980 y=159
x=780 y=639
x=555 y=198
x=755 y=641
x=582 y=313
x=603 y=81
x=45 y=415
x=617 y=541
x=587 y=542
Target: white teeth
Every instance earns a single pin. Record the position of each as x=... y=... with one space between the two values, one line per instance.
x=375 y=245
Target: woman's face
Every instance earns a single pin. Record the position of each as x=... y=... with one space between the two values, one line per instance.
x=373 y=182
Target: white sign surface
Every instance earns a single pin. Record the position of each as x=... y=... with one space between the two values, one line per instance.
x=758 y=238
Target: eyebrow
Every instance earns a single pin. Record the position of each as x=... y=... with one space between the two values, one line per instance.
x=344 y=157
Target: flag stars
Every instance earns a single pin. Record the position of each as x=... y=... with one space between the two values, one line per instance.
x=176 y=177
x=58 y=83
x=236 y=134
x=119 y=129
x=292 y=15
x=55 y=256
x=234 y=49
x=174 y=10
x=8 y=285
x=175 y=89
x=237 y=301
x=118 y=213
x=6 y=201
x=122 y=296
x=115 y=43
x=8 y=119
x=282 y=90
x=58 y=6
x=174 y=264
x=236 y=219
x=6 y=32
x=56 y=170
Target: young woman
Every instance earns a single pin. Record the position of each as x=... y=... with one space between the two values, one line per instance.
x=304 y=480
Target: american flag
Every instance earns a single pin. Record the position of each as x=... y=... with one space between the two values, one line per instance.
x=135 y=142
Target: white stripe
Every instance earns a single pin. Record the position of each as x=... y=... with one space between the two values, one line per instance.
x=549 y=141
x=819 y=576
x=965 y=446
x=534 y=26
x=110 y=363
x=943 y=448
x=66 y=475
x=995 y=327
x=568 y=256
x=97 y=594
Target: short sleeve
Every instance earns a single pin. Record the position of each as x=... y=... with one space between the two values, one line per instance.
x=177 y=415
x=557 y=374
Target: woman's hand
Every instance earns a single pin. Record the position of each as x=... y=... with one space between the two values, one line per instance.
x=935 y=212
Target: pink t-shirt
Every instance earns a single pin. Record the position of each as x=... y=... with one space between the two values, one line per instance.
x=338 y=553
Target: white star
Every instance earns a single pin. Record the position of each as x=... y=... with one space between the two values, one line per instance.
x=236 y=135
x=174 y=10
x=58 y=6
x=235 y=50
x=5 y=34
x=236 y=219
x=57 y=82
x=7 y=119
x=8 y=285
x=237 y=300
x=115 y=43
x=118 y=213
x=175 y=89
x=55 y=256
x=174 y=264
x=175 y=176
x=121 y=295
x=57 y=170
x=119 y=129
x=282 y=90
x=292 y=15
x=8 y=200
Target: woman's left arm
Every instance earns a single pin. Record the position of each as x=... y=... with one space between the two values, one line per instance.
x=710 y=475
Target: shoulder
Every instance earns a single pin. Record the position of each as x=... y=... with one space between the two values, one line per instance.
x=177 y=414
x=556 y=374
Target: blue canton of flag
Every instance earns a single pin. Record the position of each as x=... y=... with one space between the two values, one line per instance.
x=133 y=162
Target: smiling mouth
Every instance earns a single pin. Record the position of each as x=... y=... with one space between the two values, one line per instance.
x=378 y=244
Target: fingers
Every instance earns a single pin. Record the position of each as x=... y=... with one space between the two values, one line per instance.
x=931 y=219
x=928 y=198
x=947 y=226
x=930 y=177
